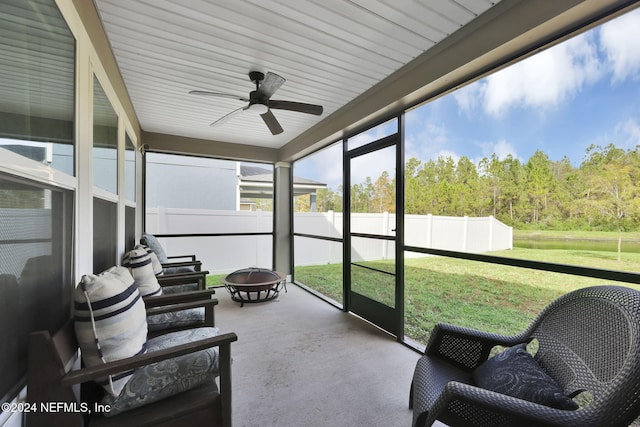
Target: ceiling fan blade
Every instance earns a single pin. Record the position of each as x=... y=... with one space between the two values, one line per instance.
x=218 y=94
x=272 y=123
x=300 y=107
x=229 y=116
x=270 y=85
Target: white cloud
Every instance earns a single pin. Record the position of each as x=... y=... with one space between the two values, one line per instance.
x=502 y=149
x=327 y=166
x=544 y=80
x=541 y=82
x=372 y=165
x=469 y=97
x=620 y=41
x=424 y=137
x=628 y=133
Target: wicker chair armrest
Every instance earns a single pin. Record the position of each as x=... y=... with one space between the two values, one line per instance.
x=87 y=374
x=465 y=347
x=473 y=402
x=155 y=301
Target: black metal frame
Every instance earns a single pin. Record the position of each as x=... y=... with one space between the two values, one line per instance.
x=388 y=318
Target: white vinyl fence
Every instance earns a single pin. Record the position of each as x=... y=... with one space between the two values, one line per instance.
x=225 y=254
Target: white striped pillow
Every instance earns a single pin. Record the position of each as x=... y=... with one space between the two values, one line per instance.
x=139 y=263
x=155 y=262
x=110 y=322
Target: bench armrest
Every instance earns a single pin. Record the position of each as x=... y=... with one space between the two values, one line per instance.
x=197 y=265
x=184 y=278
x=203 y=294
x=191 y=257
x=87 y=374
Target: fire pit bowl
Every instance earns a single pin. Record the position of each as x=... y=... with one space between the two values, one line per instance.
x=254 y=285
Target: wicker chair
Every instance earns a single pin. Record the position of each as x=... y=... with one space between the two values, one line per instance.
x=589 y=341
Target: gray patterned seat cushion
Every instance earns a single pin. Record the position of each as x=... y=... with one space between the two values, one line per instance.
x=178 y=289
x=515 y=373
x=167 y=378
x=175 y=319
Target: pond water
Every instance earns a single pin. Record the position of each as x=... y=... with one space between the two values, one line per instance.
x=578 y=244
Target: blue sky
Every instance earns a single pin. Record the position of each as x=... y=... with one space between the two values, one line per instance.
x=583 y=91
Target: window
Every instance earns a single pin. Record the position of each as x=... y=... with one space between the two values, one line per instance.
x=37 y=109
x=105 y=234
x=105 y=178
x=130 y=194
x=129 y=170
x=35 y=270
x=105 y=141
x=37 y=65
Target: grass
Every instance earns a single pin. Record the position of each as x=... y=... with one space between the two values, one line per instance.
x=215 y=280
x=631 y=236
x=485 y=296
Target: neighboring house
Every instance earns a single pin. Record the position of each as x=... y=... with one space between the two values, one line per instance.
x=257 y=183
x=212 y=183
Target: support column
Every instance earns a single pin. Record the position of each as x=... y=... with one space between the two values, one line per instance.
x=282 y=219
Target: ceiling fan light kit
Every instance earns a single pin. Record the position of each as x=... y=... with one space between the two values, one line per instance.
x=258 y=108
x=260 y=101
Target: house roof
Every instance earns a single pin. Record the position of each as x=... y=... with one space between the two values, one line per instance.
x=257 y=182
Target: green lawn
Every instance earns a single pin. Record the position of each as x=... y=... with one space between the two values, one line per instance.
x=485 y=296
x=629 y=236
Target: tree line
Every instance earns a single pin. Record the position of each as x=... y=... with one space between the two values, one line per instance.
x=600 y=194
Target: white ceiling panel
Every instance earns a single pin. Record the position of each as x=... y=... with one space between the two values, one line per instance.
x=329 y=52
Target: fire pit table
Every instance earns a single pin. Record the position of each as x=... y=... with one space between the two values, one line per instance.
x=251 y=285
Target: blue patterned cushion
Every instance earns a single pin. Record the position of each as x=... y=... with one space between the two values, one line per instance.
x=152 y=243
x=176 y=319
x=184 y=269
x=168 y=377
x=515 y=373
x=139 y=263
x=110 y=322
x=176 y=289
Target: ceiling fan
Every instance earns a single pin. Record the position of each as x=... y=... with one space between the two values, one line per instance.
x=260 y=101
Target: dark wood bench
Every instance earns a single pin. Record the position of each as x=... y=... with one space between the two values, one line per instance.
x=54 y=376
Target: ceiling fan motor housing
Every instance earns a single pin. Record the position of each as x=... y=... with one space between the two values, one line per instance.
x=256 y=76
x=256 y=103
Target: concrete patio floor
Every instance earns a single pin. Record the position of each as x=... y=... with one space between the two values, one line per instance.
x=299 y=361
